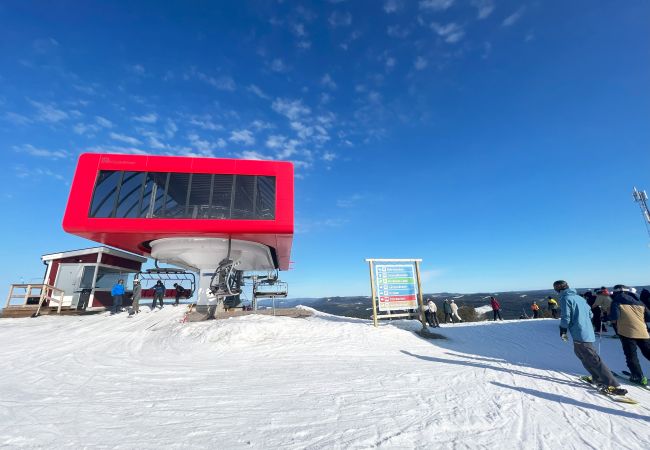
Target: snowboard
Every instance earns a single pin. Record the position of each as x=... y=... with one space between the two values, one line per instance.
x=616 y=398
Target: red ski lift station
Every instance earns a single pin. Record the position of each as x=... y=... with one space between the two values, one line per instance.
x=215 y=219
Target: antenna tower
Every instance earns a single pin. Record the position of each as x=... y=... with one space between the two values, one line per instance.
x=642 y=199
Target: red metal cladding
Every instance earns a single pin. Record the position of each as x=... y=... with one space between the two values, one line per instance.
x=132 y=234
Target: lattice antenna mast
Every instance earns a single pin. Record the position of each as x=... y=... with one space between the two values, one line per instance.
x=642 y=199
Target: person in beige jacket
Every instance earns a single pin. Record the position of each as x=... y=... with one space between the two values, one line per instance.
x=631 y=316
x=601 y=308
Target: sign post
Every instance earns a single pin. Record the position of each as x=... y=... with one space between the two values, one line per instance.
x=396 y=286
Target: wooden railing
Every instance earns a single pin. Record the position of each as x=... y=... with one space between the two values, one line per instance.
x=42 y=292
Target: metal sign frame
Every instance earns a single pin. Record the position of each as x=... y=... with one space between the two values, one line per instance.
x=375 y=316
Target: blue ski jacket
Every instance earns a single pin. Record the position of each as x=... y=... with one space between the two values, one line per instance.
x=118 y=289
x=576 y=316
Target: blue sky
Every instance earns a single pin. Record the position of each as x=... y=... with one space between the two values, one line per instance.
x=497 y=141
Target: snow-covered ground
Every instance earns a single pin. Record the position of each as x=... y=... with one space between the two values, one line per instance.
x=322 y=382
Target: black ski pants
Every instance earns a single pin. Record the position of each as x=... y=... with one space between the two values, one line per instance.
x=432 y=318
x=631 y=358
x=157 y=297
x=497 y=313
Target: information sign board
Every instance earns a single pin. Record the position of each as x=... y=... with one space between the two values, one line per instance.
x=396 y=289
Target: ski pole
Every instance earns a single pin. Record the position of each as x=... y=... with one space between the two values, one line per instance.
x=599 y=339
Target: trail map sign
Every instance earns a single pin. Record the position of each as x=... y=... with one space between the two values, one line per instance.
x=396 y=289
x=395 y=286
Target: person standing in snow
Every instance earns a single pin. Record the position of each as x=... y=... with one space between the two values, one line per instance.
x=118 y=296
x=158 y=294
x=496 y=308
x=454 y=311
x=431 y=314
x=535 y=308
x=601 y=309
x=137 y=293
x=630 y=316
x=553 y=307
x=446 y=308
x=180 y=292
x=576 y=319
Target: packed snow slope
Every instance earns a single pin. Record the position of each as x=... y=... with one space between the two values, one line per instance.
x=323 y=382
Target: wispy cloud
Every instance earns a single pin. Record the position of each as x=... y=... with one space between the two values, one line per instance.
x=277 y=65
x=40 y=152
x=203 y=145
x=450 y=32
x=258 y=91
x=45 y=45
x=220 y=82
x=124 y=138
x=328 y=82
x=392 y=6
x=244 y=137
x=147 y=118
x=436 y=5
x=86 y=129
x=16 y=119
x=136 y=69
x=250 y=154
x=292 y=109
x=420 y=63
x=340 y=19
x=117 y=149
x=398 y=31
x=350 y=201
x=205 y=122
x=328 y=156
x=103 y=122
x=484 y=8
x=514 y=17
x=46 y=112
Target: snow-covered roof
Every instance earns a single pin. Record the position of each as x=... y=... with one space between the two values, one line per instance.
x=93 y=250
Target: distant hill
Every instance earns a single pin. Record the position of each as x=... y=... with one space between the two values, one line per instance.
x=513 y=304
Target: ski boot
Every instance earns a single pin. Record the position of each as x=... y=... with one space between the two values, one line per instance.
x=612 y=390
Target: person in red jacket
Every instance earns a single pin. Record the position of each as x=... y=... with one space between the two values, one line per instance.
x=496 y=308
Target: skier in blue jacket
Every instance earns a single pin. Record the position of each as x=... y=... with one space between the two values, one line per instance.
x=118 y=296
x=576 y=318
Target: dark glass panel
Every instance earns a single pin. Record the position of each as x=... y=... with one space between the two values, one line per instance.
x=127 y=204
x=265 y=198
x=199 y=204
x=177 y=190
x=221 y=196
x=105 y=193
x=243 y=207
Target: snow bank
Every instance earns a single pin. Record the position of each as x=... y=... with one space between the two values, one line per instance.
x=321 y=382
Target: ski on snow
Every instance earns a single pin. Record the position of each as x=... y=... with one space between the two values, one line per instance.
x=615 y=398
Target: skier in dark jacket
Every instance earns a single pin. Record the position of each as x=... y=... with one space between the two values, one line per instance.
x=446 y=308
x=496 y=308
x=576 y=319
x=158 y=293
x=180 y=292
x=630 y=316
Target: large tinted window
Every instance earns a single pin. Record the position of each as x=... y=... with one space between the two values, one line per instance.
x=105 y=194
x=183 y=196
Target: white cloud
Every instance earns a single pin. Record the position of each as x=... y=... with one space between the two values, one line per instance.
x=103 y=122
x=86 y=129
x=244 y=137
x=303 y=131
x=436 y=5
x=484 y=7
x=137 y=69
x=16 y=119
x=257 y=91
x=205 y=122
x=390 y=62
x=249 y=154
x=277 y=65
x=329 y=156
x=117 y=149
x=204 y=146
x=147 y=118
x=398 y=31
x=304 y=44
x=48 y=112
x=126 y=139
x=45 y=45
x=275 y=141
x=41 y=153
x=514 y=17
x=298 y=29
x=261 y=125
x=391 y=6
x=340 y=19
x=292 y=109
x=170 y=129
x=420 y=63
x=222 y=82
x=327 y=81
x=451 y=32
x=350 y=201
